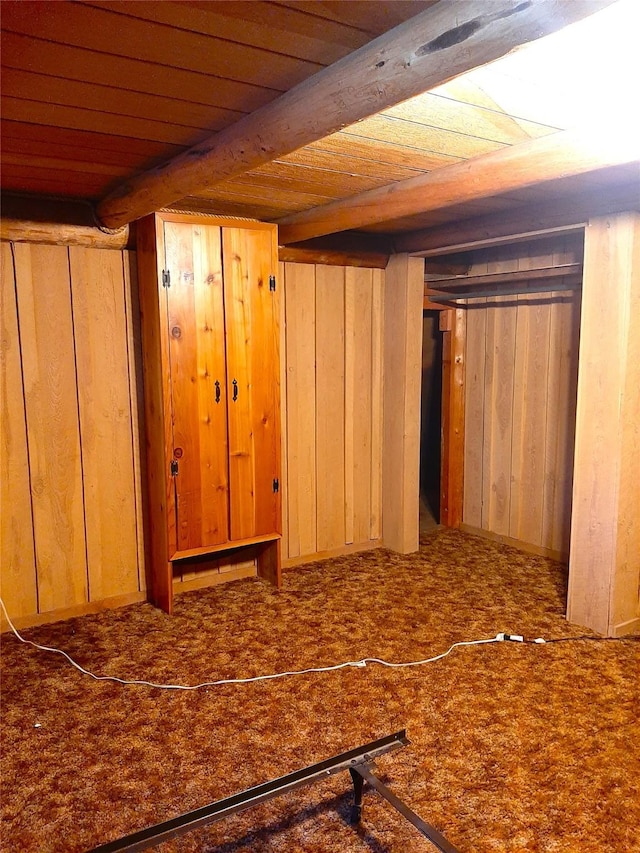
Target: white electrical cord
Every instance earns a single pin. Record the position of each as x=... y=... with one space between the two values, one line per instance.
x=358 y=663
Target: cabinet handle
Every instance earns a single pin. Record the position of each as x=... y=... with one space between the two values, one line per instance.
x=217 y=391
x=235 y=389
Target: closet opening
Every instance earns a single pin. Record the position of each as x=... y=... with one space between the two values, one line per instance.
x=431 y=421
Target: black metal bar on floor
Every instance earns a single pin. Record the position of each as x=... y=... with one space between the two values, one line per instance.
x=364 y=769
x=153 y=835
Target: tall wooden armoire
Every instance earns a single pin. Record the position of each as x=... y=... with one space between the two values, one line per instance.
x=210 y=335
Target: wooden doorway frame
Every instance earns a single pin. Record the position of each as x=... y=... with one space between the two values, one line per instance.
x=453 y=325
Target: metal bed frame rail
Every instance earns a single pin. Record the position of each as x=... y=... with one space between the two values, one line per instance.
x=360 y=764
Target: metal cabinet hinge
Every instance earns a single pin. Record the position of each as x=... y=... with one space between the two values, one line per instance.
x=166 y=278
x=272 y=282
x=174 y=467
x=276 y=485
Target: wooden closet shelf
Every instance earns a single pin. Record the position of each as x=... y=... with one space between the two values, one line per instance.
x=451 y=284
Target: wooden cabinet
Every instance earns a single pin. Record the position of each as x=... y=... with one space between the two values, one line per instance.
x=210 y=332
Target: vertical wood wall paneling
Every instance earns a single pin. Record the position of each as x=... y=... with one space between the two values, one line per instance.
x=403 y=300
x=134 y=356
x=330 y=412
x=530 y=402
x=300 y=290
x=105 y=421
x=604 y=568
x=522 y=365
x=377 y=392
x=564 y=336
x=358 y=403
x=476 y=340
x=51 y=397
x=498 y=408
x=17 y=558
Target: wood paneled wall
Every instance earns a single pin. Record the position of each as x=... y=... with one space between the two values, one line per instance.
x=520 y=404
x=72 y=515
x=332 y=397
x=71 y=499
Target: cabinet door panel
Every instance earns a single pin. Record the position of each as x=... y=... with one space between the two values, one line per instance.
x=252 y=315
x=198 y=390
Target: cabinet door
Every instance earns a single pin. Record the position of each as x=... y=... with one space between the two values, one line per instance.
x=195 y=311
x=253 y=377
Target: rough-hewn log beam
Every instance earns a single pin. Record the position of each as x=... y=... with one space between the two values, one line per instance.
x=532 y=162
x=449 y=38
x=41 y=220
x=529 y=222
x=349 y=249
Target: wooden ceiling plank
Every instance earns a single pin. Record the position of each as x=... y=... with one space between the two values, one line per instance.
x=112 y=32
x=422 y=137
x=110 y=99
x=71 y=177
x=440 y=43
x=538 y=160
x=48 y=185
x=469 y=119
x=225 y=207
x=524 y=223
x=292 y=21
x=280 y=198
x=297 y=179
x=348 y=145
x=372 y=18
x=212 y=21
x=40 y=147
x=347 y=164
x=87 y=139
x=30 y=161
x=75 y=63
x=77 y=118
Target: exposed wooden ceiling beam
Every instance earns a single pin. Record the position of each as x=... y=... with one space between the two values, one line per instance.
x=532 y=162
x=444 y=41
x=349 y=249
x=522 y=224
x=34 y=219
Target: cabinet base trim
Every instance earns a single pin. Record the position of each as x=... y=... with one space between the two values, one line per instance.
x=213 y=579
x=226 y=546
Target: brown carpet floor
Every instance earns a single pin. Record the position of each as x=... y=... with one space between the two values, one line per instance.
x=513 y=747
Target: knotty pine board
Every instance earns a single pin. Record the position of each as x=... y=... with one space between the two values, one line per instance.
x=253 y=360
x=196 y=346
